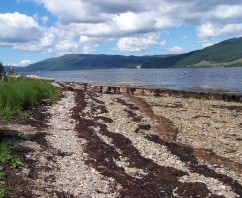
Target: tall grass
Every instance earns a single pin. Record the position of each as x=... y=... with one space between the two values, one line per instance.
x=17 y=96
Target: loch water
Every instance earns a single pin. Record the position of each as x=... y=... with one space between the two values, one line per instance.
x=217 y=79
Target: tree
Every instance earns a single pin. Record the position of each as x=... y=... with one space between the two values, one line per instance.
x=1 y=68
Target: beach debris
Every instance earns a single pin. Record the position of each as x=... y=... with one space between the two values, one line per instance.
x=40 y=78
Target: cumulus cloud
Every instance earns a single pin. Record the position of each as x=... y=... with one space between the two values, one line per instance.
x=206 y=44
x=226 y=12
x=24 y=62
x=176 y=50
x=138 y=44
x=41 y=44
x=73 y=11
x=210 y=30
x=18 y=28
x=121 y=19
x=131 y=22
x=82 y=25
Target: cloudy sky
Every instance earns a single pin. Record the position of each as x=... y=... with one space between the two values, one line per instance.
x=33 y=30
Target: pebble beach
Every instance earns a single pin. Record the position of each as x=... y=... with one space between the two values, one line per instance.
x=93 y=144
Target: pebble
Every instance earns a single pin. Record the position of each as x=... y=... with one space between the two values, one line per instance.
x=71 y=173
x=197 y=129
x=85 y=196
x=158 y=153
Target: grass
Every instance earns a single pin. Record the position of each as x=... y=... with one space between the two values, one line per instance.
x=2 y=177
x=17 y=96
x=6 y=159
x=204 y=63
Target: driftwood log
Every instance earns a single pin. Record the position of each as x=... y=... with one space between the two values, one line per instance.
x=40 y=78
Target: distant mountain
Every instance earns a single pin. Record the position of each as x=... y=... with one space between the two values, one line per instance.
x=167 y=61
x=227 y=53
x=88 y=61
x=224 y=54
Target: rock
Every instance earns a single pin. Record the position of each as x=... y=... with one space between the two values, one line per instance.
x=56 y=85
x=85 y=196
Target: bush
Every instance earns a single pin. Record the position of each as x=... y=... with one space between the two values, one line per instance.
x=17 y=96
x=1 y=68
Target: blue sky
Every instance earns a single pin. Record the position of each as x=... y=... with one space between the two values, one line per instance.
x=33 y=30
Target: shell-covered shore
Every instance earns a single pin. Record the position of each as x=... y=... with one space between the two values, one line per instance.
x=97 y=144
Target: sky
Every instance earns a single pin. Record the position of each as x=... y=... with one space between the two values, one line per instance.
x=33 y=30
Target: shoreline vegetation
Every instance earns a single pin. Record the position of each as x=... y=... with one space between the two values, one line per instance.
x=16 y=97
x=99 y=140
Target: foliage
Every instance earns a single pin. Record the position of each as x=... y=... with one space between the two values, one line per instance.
x=2 y=192
x=15 y=96
x=226 y=52
x=2 y=177
x=20 y=95
x=1 y=68
x=165 y=62
x=87 y=61
x=6 y=158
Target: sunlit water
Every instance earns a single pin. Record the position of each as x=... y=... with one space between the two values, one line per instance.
x=224 y=79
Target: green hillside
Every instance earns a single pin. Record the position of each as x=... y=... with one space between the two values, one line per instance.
x=87 y=61
x=166 y=62
x=226 y=53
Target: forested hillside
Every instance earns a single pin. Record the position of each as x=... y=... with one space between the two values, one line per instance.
x=224 y=54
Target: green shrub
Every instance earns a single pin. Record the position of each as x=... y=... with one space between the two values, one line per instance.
x=2 y=192
x=17 y=96
x=6 y=159
x=1 y=68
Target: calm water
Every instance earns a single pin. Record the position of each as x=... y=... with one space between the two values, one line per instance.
x=226 y=79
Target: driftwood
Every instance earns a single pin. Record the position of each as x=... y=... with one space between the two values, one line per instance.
x=40 y=78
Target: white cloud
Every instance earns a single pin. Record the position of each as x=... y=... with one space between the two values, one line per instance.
x=207 y=44
x=45 y=41
x=131 y=22
x=82 y=25
x=210 y=30
x=90 y=40
x=24 y=62
x=176 y=50
x=67 y=46
x=44 y=19
x=137 y=44
x=96 y=21
x=226 y=12
x=18 y=28
x=89 y=49
x=73 y=11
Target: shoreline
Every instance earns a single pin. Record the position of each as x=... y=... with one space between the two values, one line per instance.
x=142 y=90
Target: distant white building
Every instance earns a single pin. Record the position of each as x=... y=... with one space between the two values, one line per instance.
x=138 y=66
